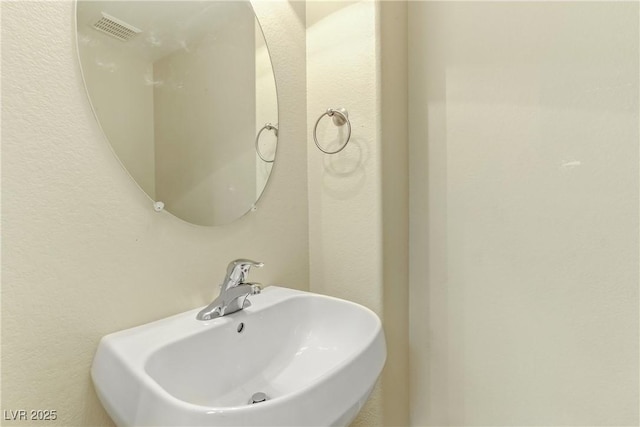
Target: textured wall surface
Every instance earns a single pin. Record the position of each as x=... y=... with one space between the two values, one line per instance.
x=357 y=224
x=524 y=213
x=83 y=252
x=345 y=230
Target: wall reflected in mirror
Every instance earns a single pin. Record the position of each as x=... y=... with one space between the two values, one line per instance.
x=181 y=90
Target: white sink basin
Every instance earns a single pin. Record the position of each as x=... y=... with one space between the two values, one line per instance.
x=315 y=357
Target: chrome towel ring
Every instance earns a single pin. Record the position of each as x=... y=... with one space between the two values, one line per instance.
x=267 y=126
x=340 y=116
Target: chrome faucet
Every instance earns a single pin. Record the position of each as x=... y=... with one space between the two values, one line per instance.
x=233 y=291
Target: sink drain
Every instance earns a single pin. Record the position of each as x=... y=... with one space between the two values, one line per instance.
x=258 y=397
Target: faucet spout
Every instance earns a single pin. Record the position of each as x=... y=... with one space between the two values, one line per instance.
x=237 y=272
x=234 y=291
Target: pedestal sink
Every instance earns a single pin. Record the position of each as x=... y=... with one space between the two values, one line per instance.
x=290 y=359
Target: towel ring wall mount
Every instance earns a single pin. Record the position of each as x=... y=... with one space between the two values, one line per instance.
x=340 y=117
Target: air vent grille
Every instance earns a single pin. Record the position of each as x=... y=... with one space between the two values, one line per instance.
x=116 y=28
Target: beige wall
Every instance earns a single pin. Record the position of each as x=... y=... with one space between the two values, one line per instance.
x=352 y=255
x=205 y=115
x=524 y=213
x=524 y=208
x=394 y=179
x=115 y=75
x=83 y=252
x=344 y=193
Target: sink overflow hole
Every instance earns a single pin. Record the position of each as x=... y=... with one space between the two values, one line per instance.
x=258 y=397
x=240 y=327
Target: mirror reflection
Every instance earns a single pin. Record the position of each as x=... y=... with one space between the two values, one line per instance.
x=182 y=90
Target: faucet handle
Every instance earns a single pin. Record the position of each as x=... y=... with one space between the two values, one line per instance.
x=238 y=269
x=256 y=288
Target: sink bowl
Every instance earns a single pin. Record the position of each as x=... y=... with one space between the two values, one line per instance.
x=315 y=358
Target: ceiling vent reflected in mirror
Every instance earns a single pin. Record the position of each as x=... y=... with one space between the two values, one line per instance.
x=116 y=27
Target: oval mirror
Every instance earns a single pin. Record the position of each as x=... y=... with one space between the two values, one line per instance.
x=185 y=94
